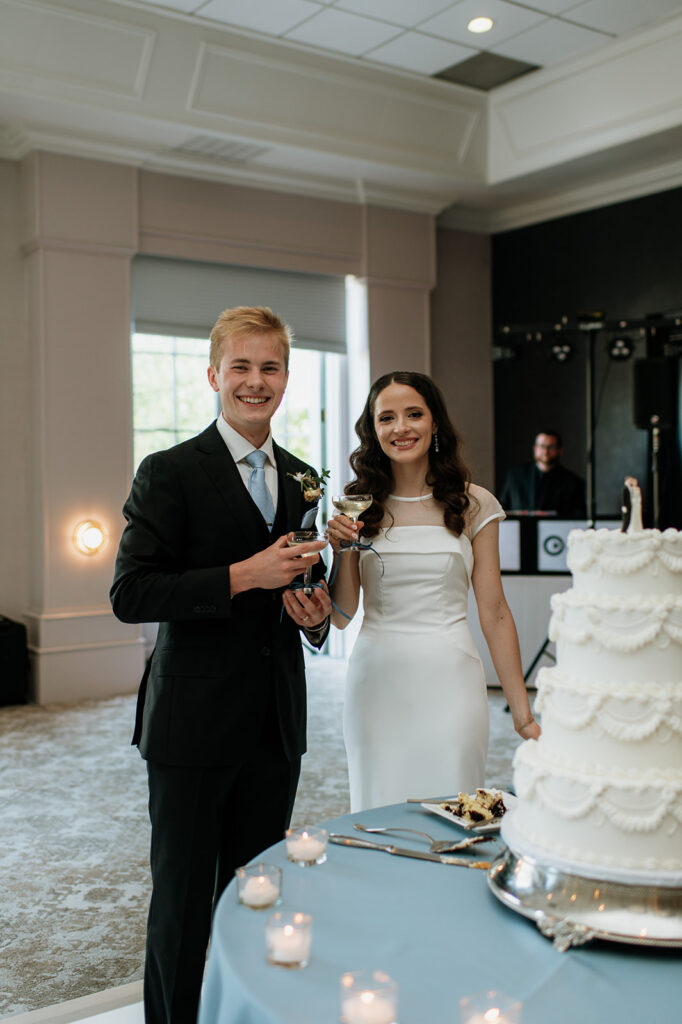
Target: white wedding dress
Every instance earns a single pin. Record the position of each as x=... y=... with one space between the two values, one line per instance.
x=416 y=706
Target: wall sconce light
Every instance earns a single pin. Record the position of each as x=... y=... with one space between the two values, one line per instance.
x=561 y=352
x=620 y=349
x=88 y=537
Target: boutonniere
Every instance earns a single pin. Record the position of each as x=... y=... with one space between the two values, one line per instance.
x=312 y=485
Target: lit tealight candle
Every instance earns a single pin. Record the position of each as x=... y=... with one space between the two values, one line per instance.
x=368 y=997
x=306 y=846
x=489 y=1008
x=288 y=938
x=259 y=885
x=259 y=892
x=368 y=1008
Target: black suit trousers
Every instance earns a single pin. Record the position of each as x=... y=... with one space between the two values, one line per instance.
x=206 y=822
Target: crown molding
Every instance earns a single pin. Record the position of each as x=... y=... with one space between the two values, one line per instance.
x=336 y=127
x=616 y=189
x=17 y=142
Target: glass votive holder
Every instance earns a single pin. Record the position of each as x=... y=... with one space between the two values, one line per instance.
x=259 y=886
x=368 y=997
x=306 y=846
x=288 y=937
x=489 y=1008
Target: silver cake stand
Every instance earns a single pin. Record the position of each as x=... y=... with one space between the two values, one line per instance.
x=572 y=910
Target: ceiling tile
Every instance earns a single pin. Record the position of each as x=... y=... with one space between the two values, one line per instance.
x=423 y=54
x=346 y=33
x=272 y=16
x=508 y=20
x=552 y=6
x=486 y=71
x=619 y=16
x=186 y=6
x=399 y=12
x=550 y=43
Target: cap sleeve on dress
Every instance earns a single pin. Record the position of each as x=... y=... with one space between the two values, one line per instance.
x=484 y=508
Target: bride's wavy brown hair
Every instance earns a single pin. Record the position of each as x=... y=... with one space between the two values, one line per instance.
x=447 y=474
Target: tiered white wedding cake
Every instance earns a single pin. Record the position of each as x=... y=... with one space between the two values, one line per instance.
x=600 y=793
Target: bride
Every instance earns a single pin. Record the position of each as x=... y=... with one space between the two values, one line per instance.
x=416 y=707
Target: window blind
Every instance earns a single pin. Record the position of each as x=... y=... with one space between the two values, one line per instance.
x=184 y=299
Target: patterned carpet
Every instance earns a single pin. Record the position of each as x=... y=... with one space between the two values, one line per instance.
x=75 y=835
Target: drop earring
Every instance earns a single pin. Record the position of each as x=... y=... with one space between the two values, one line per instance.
x=436 y=446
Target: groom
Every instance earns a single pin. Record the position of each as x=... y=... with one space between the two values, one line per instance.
x=222 y=707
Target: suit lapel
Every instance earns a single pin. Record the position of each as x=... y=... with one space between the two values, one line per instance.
x=222 y=471
x=289 y=497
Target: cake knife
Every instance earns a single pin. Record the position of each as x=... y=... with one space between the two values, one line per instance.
x=400 y=851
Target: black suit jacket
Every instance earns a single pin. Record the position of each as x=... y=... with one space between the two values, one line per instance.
x=558 y=490
x=218 y=661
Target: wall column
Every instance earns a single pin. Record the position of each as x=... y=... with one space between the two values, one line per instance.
x=399 y=272
x=79 y=234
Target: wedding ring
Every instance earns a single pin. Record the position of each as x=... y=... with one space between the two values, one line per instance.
x=306 y=618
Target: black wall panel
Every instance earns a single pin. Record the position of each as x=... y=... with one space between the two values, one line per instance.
x=623 y=260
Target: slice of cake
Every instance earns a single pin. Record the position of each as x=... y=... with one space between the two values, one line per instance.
x=600 y=793
x=483 y=806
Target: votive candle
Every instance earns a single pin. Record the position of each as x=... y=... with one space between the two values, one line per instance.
x=306 y=846
x=368 y=997
x=259 y=885
x=288 y=938
x=489 y=1008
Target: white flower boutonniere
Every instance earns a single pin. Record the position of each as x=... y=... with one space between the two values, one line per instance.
x=312 y=485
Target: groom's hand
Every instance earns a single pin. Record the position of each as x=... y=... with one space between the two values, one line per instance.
x=308 y=611
x=274 y=567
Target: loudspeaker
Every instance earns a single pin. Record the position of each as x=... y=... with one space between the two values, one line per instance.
x=654 y=392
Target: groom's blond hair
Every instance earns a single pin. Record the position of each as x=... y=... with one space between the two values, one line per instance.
x=242 y=321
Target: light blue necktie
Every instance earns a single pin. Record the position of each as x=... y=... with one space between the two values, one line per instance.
x=258 y=488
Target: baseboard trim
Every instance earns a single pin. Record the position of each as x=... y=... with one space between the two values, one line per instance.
x=80 y=1009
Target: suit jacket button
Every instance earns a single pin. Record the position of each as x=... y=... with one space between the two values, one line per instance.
x=265 y=651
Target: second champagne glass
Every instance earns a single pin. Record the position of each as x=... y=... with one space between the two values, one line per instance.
x=305 y=537
x=352 y=505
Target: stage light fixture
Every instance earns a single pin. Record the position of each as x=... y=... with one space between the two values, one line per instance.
x=561 y=352
x=620 y=349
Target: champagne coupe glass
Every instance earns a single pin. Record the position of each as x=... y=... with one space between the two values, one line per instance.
x=352 y=505
x=305 y=537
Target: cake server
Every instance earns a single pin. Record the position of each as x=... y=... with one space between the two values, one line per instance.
x=436 y=845
x=399 y=851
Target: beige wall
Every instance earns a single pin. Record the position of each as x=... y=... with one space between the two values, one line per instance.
x=461 y=332
x=69 y=229
x=17 y=404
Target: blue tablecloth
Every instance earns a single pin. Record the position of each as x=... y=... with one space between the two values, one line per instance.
x=436 y=929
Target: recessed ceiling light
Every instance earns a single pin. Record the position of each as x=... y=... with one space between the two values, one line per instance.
x=480 y=24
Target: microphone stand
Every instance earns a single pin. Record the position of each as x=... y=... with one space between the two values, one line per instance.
x=655 y=477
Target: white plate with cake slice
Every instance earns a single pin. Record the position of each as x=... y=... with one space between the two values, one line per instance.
x=464 y=809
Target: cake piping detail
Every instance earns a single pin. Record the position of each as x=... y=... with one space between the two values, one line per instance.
x=621 y=554
x=574 y=797
x=629 y=712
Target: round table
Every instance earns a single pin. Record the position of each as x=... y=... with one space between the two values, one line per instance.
x=436 y=929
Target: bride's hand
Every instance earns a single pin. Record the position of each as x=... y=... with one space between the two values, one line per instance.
x=342 y=531
x=530 y=730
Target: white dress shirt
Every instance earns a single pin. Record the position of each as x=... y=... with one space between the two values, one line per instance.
x=239 y=448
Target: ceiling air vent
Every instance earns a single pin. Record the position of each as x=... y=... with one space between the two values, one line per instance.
x=221 y=150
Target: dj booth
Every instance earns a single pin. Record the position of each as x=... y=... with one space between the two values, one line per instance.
x=533 y=548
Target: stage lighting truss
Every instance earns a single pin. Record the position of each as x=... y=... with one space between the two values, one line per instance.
x=620 y=349
x=561 y=351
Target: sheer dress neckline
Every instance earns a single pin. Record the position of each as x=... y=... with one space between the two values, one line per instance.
x=420 y=497
x=426 y=510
